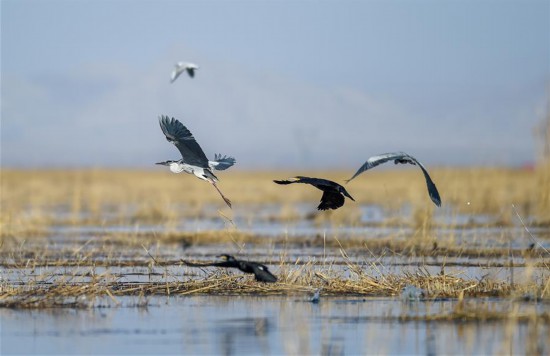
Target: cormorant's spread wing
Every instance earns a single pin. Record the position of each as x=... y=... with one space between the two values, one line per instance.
x=180 y=136
x=227 y=264
x=378 y=160
x=286 y=181
x=262 y=274
x=331 y=200
x=221 y=163
x=316 y=182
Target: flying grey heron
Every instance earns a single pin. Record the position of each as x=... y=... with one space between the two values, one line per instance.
x=193 y=160
x=261 y=273
x=333 y=193
x=180 y=67
x=401 y=158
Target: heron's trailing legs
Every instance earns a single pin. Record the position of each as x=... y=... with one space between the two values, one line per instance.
x=227 y=201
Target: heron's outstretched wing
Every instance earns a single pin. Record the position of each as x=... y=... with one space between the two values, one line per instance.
x=402 y=158
x=180 y=136
x=432 y=189
x=331 y=200
x=378 y=160
x=221 y=163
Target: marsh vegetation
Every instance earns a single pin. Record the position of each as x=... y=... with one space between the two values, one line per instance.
x=88 y=238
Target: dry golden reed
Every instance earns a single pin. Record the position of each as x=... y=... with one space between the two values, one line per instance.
x=34 y=198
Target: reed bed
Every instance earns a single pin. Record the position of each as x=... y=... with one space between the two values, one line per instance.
x=34 y=199
x=34 y=202
x=294 y=280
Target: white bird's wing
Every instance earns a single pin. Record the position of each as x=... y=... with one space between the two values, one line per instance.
x=176 y=73
x=180 y=67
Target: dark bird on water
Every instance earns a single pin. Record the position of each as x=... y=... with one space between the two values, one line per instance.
x=261 y=273
x=401 y=158
x=193 y=160
x=333 y=193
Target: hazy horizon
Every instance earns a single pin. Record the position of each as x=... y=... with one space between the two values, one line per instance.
x=312 y=85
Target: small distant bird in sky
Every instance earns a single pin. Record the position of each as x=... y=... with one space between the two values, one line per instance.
x=193 y=160
x=401 y=158
x=261 y=273
x=183 y=66
x=333 y=193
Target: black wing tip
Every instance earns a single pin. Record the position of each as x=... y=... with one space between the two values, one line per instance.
x=281 y=181
x=436 y=199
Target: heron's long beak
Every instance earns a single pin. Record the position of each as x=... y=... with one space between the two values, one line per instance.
x=163 y=163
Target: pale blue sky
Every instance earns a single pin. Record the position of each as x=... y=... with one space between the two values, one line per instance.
x=281 y=84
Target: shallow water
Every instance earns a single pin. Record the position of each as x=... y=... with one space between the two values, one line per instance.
x=265 y=325
x=265 y=220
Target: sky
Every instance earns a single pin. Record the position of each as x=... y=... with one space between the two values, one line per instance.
x=281 y=84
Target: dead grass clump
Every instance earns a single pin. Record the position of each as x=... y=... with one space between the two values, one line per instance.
x=292 y=281
x=59 y=294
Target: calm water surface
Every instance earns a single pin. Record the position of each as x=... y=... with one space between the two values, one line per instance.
x=227 y=325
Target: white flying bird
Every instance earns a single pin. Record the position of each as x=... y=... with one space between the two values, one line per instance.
x=183 y=66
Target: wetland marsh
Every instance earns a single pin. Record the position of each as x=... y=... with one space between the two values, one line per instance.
x=90 y=254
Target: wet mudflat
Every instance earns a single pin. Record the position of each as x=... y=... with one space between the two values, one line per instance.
x=270 y=325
